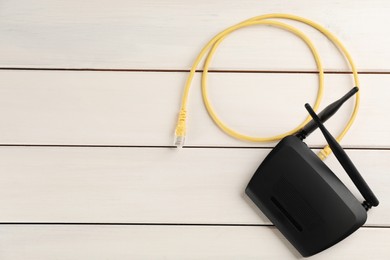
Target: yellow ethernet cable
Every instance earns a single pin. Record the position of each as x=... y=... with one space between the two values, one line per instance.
x=268 y=19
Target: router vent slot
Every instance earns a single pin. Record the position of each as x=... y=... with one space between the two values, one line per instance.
x=285 y=213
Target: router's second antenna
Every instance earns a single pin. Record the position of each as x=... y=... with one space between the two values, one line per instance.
x=345 y=161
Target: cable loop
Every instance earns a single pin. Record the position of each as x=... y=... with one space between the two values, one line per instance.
x=210 y=48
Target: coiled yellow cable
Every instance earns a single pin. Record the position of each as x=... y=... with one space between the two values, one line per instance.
x=209 y=50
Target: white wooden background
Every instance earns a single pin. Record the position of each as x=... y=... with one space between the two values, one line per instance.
x=89 y=93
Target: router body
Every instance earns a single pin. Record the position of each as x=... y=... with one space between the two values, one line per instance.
x=305 y=200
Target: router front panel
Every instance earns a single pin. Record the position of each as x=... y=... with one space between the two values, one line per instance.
x=303 y=198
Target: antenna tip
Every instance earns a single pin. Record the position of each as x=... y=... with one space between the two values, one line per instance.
x=309 y=108
x=312 y=113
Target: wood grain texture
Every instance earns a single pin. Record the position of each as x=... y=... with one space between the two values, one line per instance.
x=137 y=108
x=168 y=34
x=154 y=185
x=174 y=242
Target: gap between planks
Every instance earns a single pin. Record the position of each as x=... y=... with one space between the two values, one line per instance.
x=174 y=147
x=198 y=71
x=151 y=224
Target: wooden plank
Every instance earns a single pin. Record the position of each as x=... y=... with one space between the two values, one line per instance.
x=137 y=108
x=174 y=242
x=150 y=185
x=168 y=35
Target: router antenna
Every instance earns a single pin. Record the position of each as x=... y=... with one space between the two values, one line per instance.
x=325 y=114
x=345 y=161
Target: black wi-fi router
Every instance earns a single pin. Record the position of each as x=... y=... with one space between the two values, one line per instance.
x=304 y=199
